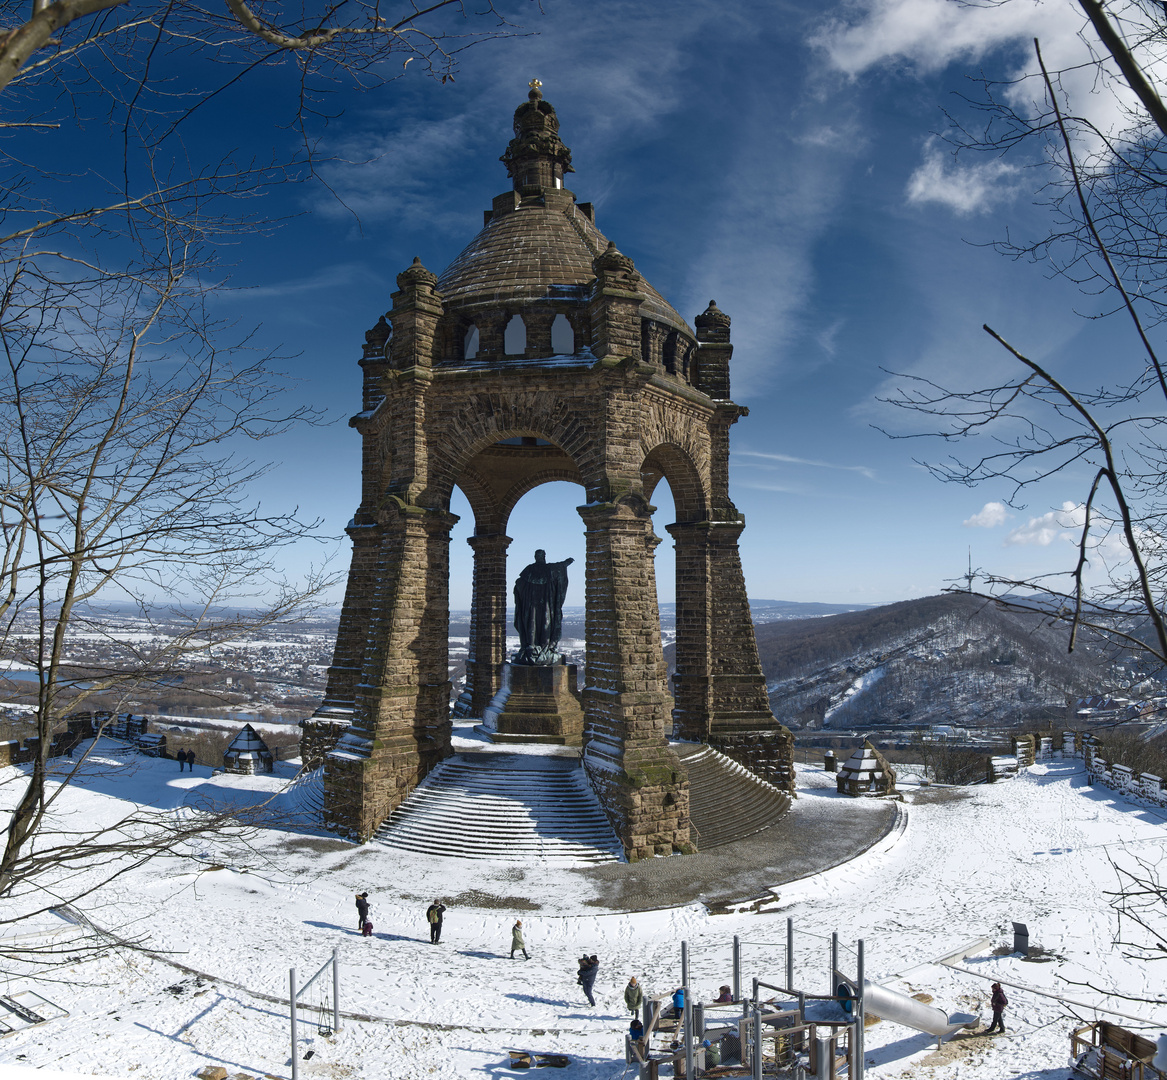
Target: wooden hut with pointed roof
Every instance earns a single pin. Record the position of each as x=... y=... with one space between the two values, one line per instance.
x=248 y=753
x=866 y=772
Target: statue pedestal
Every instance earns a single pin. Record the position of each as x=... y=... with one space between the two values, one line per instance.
x=536 y=704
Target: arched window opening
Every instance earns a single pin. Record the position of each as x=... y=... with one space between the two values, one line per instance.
x=515 y=338
x=562 y=337
x=470 y=344
x=670 y=353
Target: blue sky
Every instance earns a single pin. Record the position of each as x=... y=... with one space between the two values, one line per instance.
x=778 y=157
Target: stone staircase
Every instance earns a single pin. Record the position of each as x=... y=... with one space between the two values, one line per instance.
x=505 y=807
x=726 y=801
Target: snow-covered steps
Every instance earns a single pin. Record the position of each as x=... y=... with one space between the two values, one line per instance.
x=509 y=807
x=726 y=800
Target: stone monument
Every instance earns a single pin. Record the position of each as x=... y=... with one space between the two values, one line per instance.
x=538 y=700
x=541 y=354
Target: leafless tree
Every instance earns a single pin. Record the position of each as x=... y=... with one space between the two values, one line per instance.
x=1105 y=190
x=128 y=413
x=1106 y=195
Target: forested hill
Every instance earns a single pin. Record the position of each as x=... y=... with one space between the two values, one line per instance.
x=941 y=659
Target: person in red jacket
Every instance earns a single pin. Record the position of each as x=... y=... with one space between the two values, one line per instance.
x=998 y=1002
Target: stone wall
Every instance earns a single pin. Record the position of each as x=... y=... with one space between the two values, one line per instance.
x=317 y=739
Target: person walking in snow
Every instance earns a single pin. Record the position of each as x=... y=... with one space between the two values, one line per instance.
x=517 y=939
x=362 y=910
x=181 y=755
x=433 y=915
x=587 y=978
x=998 y=1002
x=633 y=995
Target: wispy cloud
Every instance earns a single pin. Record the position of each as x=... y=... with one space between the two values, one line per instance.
x=989 y=516
x=963 y=186
x=928 y=36
x=787 y=459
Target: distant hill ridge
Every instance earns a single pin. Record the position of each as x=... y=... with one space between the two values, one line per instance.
x=952 y=659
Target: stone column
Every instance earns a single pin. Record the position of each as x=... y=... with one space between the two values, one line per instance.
x=402 y=724
x=538 y=334
x=339 y=702
x=691 y=682
x=488 y=621
x=491 y=333
x=641 y=783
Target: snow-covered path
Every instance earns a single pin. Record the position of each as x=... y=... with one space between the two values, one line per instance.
x=1036 y=850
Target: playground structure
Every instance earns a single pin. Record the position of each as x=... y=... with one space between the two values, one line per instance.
x=789 y=1034
x=1104 y=1051
x=294 y=996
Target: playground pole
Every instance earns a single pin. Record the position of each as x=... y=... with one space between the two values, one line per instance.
x=860 y=1015
x=834 y=962
x=688 y=1030
x=685 y=967
x=292 y=997
x=737 y=968
x=757 y=1042
x=335 y=990
x=789 y=954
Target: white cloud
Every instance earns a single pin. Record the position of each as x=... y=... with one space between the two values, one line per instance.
x=1064 y=524
x=930 y=35
x=787 y=459
x=962 y=186
x=989 y=516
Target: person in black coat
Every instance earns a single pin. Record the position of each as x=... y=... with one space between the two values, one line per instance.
x=362 y=910
x=433 y=915
x=587 y=978
x=998 y=1002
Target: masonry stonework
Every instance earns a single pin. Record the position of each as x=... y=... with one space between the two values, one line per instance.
x=639 y=398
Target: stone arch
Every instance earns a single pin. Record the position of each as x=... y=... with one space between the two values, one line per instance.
x=546 y=476
x=563 y=338
x=482 y=420
x=669 y=352
x=488 y=514
x=471 y=339
x=671 y=462
x=515 y=336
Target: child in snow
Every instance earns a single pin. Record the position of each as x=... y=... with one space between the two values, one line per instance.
x=517 y=939
x=633 y=995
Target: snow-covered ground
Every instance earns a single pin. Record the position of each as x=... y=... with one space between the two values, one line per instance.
x=224 y=932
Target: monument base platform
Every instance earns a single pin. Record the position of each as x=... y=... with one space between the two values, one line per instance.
x=536 y=704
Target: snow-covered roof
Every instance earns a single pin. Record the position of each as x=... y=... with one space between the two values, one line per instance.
x=248 y=741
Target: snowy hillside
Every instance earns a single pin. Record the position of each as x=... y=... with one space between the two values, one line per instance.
x=941 y=660
x=221 y=929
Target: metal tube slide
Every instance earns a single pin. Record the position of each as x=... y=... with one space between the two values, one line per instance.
x=901 y=1009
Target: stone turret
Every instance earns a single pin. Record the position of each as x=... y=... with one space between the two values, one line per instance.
x=536 y=158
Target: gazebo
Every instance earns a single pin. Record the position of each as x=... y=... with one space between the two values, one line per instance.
x=866 y=772
x=248 y=753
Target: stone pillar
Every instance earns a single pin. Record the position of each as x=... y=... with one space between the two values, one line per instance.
x=738 y=691
x=339 y=701
x=642 y=785
x=491 y=334
x=538 y=334
x=713 y=353
x=691 y=682
x=402 y=724
x=488 y=621
x=614 y=313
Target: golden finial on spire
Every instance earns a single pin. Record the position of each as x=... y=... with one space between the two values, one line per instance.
x=535 y=84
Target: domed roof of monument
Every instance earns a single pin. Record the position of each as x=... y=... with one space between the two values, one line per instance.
x=538 y=243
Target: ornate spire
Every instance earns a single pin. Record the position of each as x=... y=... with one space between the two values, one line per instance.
x=536 y=158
